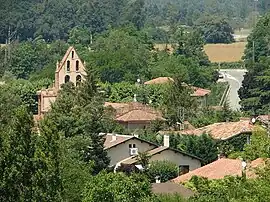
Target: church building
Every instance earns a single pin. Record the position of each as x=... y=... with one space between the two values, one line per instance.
x=70 y=69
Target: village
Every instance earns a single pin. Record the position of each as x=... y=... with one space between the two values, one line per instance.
x=135 y=101
x=125 y=151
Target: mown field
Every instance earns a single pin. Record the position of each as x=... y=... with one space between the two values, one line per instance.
x=225 y=52
x=216 y=52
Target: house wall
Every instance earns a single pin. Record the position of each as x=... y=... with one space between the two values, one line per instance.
x=177 y=158
x=134 y=126
x=46 y=103
x=121 y=151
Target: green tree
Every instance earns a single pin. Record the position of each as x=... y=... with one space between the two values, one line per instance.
x=165 y=170
x=116 y=187
x=253 y=93
x=178 y=102
x=47 y=163
x=202 y=146
x=259 y=147
x=79 y=36
x=120 y=55
x=17 y=153
x=75 y=171
x=216 y=30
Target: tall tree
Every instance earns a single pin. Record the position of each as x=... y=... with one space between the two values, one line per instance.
x=254 y=91
x=216 y=30
x=121 y=55
x=17 y=153
x=178 y=104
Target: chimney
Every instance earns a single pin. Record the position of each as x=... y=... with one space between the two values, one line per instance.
x=221 y=156
x=166 y=139
x=135 y=98
x=113 y=137
x=157 y=179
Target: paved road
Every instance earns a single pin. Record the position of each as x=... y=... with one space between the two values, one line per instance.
x=234 y=78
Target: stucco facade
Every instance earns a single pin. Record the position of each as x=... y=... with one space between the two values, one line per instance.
x=177 y=158
x=122 y=151
x=70 y=69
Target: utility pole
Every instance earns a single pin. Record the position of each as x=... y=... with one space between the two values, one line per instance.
x=268 y=125
x=253 y=52
x=5 y=59
x=9 y=42
x=181 y=116
x=255 y=11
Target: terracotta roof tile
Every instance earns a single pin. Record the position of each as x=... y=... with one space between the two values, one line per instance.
x=223 y=130
x=221 y=168
x=159 y=80
x=134 y=112
x=132 y=160
x=215 y=170
x=171 y=188
x=200 y=92
x=139 y=116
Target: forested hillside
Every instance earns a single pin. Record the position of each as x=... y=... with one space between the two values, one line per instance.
x=52 y=19
x=238 y=12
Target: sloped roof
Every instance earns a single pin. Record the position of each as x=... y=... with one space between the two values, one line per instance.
x=171 y=188
x=116 y=105
x=133 y=159
x=159 y=80
x=134 y=112
x=200 y=92
x=139 y=116
x=221 y=131
x=110 y=142
x=219 y=169
x=215 y=170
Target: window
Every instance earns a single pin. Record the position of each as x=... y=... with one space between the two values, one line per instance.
x=68 y=65
x=67 y=78
x=72 y=54
x=77 y=65
x=78 y=80
x=183 y=169
x=132 y=145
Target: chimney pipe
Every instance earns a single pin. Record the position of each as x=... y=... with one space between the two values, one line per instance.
x=166 y=139
x=114 y=137
x=157 y=179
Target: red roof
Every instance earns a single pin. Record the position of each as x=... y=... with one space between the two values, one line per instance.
x=200 y=92
x=159 y=80
x=215 y=170
x=221 y=168
x=139 y=116
x=223 y=130
x=134 y=112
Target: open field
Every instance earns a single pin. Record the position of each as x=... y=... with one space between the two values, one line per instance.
x=225 y=52
x=216 y=52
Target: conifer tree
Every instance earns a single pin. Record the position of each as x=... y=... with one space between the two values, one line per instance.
x=17 y=152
